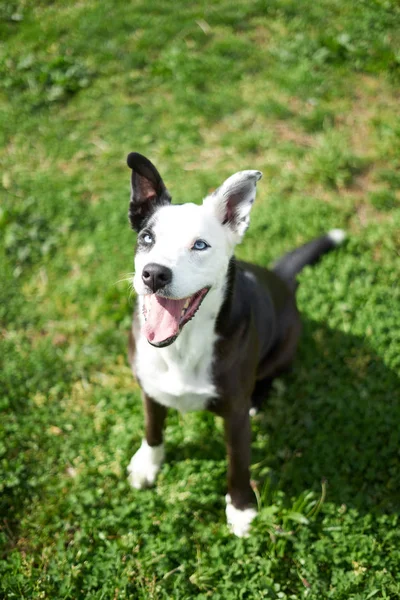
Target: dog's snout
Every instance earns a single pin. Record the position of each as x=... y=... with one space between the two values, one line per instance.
x=156 y=276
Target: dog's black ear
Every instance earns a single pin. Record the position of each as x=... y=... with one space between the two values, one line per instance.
x=148 y=191
x=233 y=200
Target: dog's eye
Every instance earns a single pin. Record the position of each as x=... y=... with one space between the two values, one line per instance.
x=147 y=239
x=200 y=245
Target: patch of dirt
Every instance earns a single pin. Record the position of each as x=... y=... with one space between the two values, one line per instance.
x=287 y=133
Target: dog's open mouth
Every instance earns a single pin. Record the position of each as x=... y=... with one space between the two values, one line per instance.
x=165 y=317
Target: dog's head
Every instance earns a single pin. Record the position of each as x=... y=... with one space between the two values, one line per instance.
x=183 y=250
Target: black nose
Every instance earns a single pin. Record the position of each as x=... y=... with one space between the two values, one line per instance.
x=156 y=276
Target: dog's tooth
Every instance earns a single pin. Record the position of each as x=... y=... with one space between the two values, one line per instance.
x=186 y=303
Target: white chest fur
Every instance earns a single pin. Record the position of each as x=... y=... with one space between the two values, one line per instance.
x=180 y=375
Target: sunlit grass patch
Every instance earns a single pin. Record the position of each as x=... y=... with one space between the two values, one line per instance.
x=333 y=164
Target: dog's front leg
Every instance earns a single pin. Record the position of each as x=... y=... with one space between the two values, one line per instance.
x=240 y=500
x=147 y=461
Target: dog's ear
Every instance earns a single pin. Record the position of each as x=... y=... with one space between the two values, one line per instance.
x=148 y=191
x=233 y=200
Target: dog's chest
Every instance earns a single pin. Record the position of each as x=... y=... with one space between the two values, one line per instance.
x=179 y=376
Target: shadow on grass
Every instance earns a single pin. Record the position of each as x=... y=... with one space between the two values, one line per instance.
x=335 y=417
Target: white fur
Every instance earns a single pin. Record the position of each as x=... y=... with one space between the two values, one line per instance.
x=145 y=465
x=175 y=229
x=239 y=521
x=180 y=375
x=337 y=236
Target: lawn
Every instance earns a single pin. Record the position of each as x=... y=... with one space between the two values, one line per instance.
x=307 y=92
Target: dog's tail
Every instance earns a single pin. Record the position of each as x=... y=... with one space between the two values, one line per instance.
x=293 y=262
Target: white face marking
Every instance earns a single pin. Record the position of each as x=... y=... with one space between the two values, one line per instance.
x=175 y=229
x=220 y=221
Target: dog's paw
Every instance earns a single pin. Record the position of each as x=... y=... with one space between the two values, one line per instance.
x=144 y=465
x=239 y=521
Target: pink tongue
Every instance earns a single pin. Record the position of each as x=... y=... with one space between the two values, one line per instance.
x=163 y=316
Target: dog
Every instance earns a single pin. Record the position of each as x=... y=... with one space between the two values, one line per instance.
x=209 y=332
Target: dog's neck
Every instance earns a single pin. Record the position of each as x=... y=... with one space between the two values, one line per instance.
x=223 y=321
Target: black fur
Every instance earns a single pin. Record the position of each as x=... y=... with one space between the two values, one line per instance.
x=293 y=262
x=148 y=192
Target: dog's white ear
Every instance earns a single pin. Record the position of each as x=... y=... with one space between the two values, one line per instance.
x=148 y=191
x=233 y=200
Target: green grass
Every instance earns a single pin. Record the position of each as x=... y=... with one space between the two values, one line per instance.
x=308 y=93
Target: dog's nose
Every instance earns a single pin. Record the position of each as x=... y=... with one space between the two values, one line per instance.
x=156 y=276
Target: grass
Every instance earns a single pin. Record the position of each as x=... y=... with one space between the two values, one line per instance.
x=308 y=93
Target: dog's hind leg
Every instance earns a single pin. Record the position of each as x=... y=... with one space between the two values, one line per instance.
x=278 y=362
x=260 y=393
x=146 y=463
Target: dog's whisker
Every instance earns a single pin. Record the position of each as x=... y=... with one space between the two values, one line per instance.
x=128 y=277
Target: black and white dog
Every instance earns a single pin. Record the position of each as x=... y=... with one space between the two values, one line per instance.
x=209 y=332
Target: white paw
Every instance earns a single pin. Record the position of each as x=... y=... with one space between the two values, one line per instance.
x=144 y=465
x=239 y=521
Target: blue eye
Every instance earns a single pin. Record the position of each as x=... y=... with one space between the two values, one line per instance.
x=147 y=239
x=200 y=245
